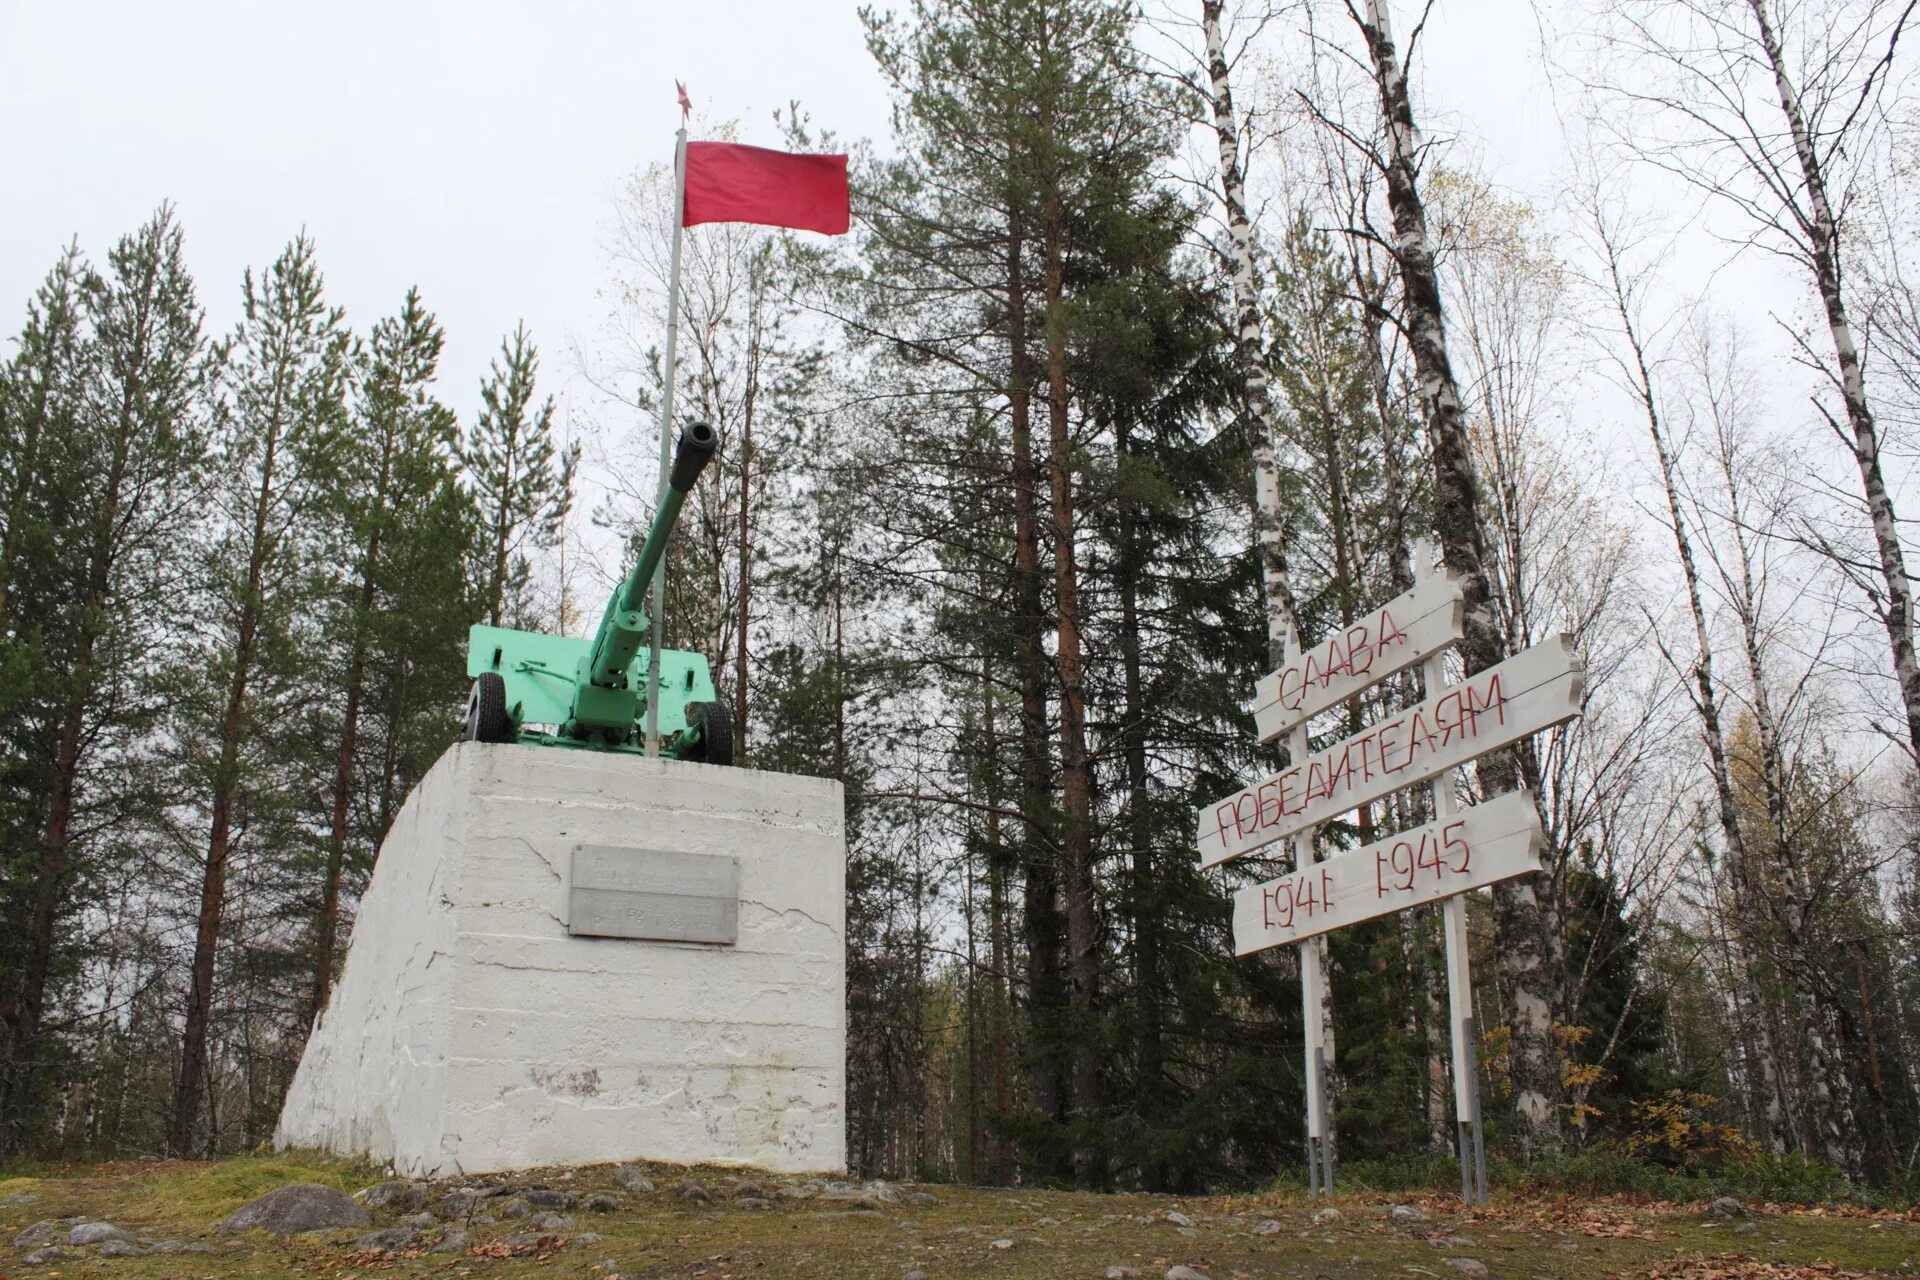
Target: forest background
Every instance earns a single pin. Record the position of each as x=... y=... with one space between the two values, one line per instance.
x=1151 y=324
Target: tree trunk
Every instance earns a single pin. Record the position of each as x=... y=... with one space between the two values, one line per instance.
x=1076 y=775
x=193 y=1046
x=1046 y=996
x=1519 y=918
x=1823 y=241
x=1149 y=1045
x=746 y=562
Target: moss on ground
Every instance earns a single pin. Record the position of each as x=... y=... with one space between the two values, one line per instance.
x=1005 y=1235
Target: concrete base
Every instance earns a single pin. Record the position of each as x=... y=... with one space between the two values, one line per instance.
x=470 y=1033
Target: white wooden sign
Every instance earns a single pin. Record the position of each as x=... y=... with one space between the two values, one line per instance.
x=1393 y=637
x=1490 y=842
x=1535 y=689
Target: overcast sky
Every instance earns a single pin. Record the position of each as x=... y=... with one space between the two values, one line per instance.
x=472 y=147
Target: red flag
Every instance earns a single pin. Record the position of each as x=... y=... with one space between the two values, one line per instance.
x=727 y=182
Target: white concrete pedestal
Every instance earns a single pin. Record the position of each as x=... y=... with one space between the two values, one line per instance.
x=470 y=1033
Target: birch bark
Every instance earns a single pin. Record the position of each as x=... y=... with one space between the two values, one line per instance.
x=1519 y=915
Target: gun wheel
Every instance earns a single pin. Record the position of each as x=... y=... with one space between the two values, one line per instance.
x=487 y=711
x=716 y=736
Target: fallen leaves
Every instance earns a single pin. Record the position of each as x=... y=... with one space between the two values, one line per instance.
x=1734 y=1266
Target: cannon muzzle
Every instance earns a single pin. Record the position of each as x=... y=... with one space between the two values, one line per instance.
x=691 y=454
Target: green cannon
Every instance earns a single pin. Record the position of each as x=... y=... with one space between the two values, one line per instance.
x=562 y=691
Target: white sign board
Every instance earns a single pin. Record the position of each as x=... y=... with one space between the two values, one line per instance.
x=1391 y=638
x=1533 y=690
x=1485 y=844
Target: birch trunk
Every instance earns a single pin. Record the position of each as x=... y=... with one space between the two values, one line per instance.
x=1823 y=243
x=1519 y=917
x=1262 y=420
x=1706 y=696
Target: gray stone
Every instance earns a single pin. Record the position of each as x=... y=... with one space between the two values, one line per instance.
x=459 y=1204
x=41 y=1257
x=1120 y=1273
x=44 y=1232
x=691 y=1190
x=1726 y=1207
x=120 y=1249
x=387 y=1239
x=924 y=1199
x=166 y=1246
x=420 y=1220
x=600 y=1204
x=542 y=1198
x=304 y=1206
x=1468 y=1268
x=632 y=1177
x=1189 y=1232
x=381 y=1195
x=1182 y=1271
x=1000 y=1244
x=1266 y=1227
x=196 y=1247
x=526 y=1238
x=752 y=1202
x=1326 y=1214
x=587 y=1237
x=913 y=1273
x=98 y=1233
x=1179 y=1219
x=554 y=1222
x=1746 y=1229
x=750 y=1189
x=883 y=1192
x=1406 y=1213
x=515 y=1207
x=452 y=1242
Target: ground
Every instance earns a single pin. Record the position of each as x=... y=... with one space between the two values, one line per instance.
x=781 y=1227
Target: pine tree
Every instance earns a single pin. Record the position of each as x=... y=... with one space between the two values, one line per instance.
x=521 y=481
x=398 y=512
x=289 y=379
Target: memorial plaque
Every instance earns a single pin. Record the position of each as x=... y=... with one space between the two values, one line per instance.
x=655 y=894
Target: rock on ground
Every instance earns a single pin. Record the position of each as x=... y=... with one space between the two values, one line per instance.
x=515 y=1207
x=1184 y=1272
x=691 y=1190
x=304 y=1206
x=632 y=1177
x=120 y=1249
x=41 y=1257
x=1120 y=1273
x=1406 y=1213
x=1266 y=1227
x=600 y=1204
x=453 y=1242
x=44 y=1232
x=1179 y=1219
x=98 y=1233
x=542 y=1198
x=1468 y=1268
x=388 y=1239
x=1726 y=1207
x=1328 y=1214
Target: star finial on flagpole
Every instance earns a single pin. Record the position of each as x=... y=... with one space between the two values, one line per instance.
x=686 y=107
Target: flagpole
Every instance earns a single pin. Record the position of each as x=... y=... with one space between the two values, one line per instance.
x=666 y=437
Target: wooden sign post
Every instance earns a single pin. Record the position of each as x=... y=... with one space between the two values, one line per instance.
x=1458 y=851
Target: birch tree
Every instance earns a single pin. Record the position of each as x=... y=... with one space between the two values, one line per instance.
x=1774 y=112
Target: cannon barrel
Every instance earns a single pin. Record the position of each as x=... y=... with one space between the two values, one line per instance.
x=623 y=628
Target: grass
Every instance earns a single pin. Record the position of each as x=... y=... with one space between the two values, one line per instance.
x=1535 y=1231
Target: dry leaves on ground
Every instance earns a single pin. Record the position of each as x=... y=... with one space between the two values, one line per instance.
x=1735 y=1266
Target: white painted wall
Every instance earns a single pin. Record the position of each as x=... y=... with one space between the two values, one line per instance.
x=470 y=1033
